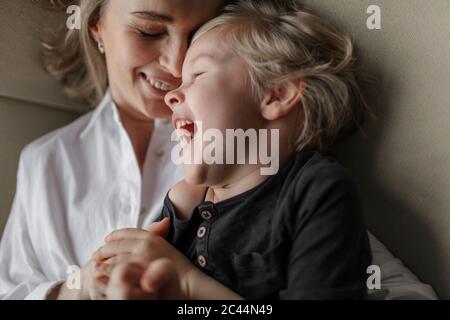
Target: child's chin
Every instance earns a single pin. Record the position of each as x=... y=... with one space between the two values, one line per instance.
x=195 y=174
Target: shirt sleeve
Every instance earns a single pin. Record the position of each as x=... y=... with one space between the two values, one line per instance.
x=21 y=276
x=330 y=250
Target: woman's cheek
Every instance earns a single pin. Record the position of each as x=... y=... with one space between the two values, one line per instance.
x=137 y=51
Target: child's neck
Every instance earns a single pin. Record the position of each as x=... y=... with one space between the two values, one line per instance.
x=248 y=179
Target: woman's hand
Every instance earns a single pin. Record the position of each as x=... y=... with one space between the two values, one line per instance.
x=138 y=279
x=131 y=280
x=140 y=264
x=93 y=286
x=93 y=280
x=137 y=249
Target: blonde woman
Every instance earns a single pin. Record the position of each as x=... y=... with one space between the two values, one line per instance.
x=111 y=168
x=299 y=234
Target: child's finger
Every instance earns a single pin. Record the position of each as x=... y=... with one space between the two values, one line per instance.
x=129 y=233
x=160 y=228
x=162 y=279
x=124 y=283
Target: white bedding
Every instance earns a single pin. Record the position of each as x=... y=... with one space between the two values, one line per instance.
x=397 y=281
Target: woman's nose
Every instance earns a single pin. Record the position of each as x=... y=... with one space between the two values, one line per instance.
x=174 y=98
x=173 y=57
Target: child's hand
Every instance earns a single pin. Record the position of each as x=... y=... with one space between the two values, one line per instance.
x=185 y=197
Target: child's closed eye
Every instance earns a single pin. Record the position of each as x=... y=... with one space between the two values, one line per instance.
x=198 y=74
x=193 y=76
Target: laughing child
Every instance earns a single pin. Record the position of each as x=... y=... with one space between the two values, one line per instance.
x=298 y=234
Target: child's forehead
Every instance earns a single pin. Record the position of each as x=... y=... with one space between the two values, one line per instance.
x=209 y=45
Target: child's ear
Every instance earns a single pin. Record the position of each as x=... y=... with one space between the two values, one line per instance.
x=281 y=100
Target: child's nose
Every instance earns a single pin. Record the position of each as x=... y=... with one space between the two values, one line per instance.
x=173 y=98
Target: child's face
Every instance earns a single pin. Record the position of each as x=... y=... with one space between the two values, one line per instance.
x=215 y=93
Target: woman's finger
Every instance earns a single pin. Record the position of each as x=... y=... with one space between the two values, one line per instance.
x=104 y=268
x=98 y=288
x=115 y=248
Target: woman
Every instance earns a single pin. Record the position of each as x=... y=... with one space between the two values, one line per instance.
x=111 y=168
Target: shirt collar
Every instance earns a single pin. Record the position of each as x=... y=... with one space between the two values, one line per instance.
x=106 y=102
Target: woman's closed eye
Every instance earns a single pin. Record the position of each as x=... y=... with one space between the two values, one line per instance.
x=150 y=35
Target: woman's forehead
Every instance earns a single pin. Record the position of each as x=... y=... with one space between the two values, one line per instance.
x=181 y=12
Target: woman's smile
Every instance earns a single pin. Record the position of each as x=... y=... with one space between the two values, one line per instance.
x=156 y=86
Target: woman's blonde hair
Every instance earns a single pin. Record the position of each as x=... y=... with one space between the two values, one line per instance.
x=281 y=41
x=72 y=55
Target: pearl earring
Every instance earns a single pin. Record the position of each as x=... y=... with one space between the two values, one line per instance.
x=101 y=47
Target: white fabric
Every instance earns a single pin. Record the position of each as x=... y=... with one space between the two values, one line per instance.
x=399 y=282
x=74 y=186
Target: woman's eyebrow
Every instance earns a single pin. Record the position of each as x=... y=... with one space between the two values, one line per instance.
x=152 y=15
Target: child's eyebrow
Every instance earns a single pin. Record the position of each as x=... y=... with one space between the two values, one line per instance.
x=203 y=56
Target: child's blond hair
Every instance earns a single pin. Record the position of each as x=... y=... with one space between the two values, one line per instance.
x=281 y=42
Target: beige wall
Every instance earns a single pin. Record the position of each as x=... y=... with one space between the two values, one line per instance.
x=21 y=123
x=21 y=73
x=402 y=163
x=31 y=102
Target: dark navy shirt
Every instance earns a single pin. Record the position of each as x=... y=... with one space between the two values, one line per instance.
x=298 y=235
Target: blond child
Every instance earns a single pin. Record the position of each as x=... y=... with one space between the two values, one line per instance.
x=298 y=234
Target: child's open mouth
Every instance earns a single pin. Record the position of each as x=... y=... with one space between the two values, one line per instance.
x=185 y=130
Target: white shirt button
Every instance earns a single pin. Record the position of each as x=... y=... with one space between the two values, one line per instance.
x=159 y=153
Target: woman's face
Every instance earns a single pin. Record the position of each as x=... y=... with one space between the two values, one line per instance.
x=145 y=43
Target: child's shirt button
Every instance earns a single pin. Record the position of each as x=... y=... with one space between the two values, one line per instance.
x=201 y=261
x=201 y=232
x=206 y=215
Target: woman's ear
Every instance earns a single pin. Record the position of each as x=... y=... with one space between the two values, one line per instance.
x=281 y=100
x=94 y=29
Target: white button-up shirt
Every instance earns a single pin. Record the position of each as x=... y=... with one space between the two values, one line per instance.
x=74 y=186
